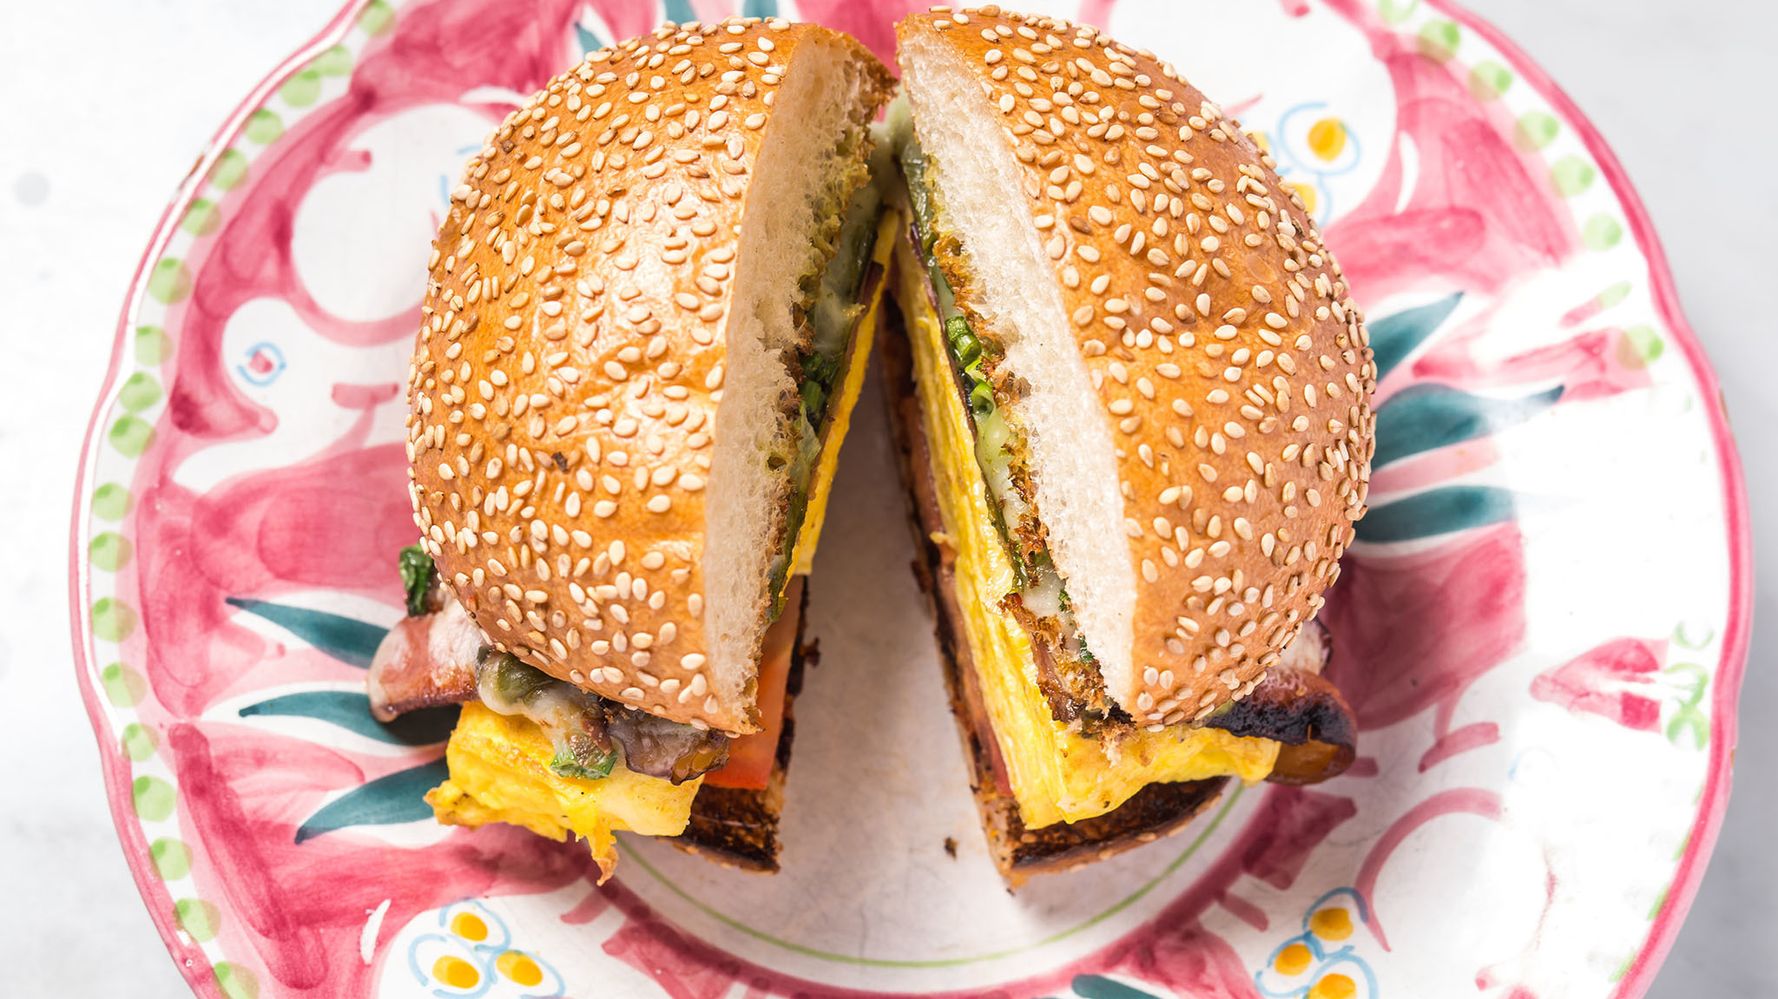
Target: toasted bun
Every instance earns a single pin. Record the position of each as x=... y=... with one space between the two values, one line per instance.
x=600 y=364
x=1195 y=383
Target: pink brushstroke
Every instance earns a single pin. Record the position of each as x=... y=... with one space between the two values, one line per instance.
x=1459 y=801
x=627 y=18
x=1096 y=12
x=1414 y=631
x=587 y=909
x=1732 y=663
x=1247 y=912
x=1591 y=365
x=1610 y=681
x=1458 y=742
x=301 y=906
x=1479 y=213
x=870 y=21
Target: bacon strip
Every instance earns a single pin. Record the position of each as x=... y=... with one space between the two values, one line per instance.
x=424 y=662
x=430 y=660
x=1296 y=706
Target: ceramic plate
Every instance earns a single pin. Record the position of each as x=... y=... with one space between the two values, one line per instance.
x=1541 y=629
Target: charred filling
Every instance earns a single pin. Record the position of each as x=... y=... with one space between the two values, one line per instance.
x=833 y=296
x=591 y=735
x=1066 y=670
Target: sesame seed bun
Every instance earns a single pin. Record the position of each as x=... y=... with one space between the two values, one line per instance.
x=1177 y=346
x=593 y=321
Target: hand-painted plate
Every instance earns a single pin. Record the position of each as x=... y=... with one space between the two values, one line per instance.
x=1542 y=627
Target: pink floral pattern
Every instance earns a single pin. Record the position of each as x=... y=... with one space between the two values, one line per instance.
x=219 y=662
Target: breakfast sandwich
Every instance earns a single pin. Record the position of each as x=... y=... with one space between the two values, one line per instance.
x=646 y=325
x=1133 y=406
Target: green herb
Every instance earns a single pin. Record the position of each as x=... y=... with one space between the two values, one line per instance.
x=417 y=574
x=964 y=347
x=814 y=397
x=517 y=683
x=596 y=764
x=833 y=318
x=801 y=475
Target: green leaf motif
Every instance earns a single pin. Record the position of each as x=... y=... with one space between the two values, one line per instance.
x=347 y=639
x=1101 y=987
x=350 y=710
x=388 y=800
x=1426 y=417
x=1436 y=511
x=1395 y=336
x=417 y=573
x=1688 y=721
x=1614 y=294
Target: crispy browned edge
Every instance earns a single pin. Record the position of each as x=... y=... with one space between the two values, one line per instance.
x=737 y=827
x=1155 y=811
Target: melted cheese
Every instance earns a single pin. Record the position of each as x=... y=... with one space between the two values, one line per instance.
x=1056 y=776
x=499 y=772
x=839 y=416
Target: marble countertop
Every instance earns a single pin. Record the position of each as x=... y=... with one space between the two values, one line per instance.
x=83 y=177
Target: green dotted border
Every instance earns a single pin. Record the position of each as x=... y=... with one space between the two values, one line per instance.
x=1601 y=225
x=129 y=427
x=126 y=431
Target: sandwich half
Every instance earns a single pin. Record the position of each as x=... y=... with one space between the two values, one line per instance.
x=1133 y=403
x=648 y=316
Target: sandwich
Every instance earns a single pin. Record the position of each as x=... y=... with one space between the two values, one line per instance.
x=1133 y=409
x=647 y=320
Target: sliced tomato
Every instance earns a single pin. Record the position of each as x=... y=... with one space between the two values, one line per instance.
x=751 y=757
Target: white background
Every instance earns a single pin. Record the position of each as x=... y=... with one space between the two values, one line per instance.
x=103 y=107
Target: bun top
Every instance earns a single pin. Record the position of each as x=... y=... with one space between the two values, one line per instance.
x=571 y=359
x=1233 y=370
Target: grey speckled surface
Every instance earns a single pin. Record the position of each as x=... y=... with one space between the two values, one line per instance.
x=1682 y=91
